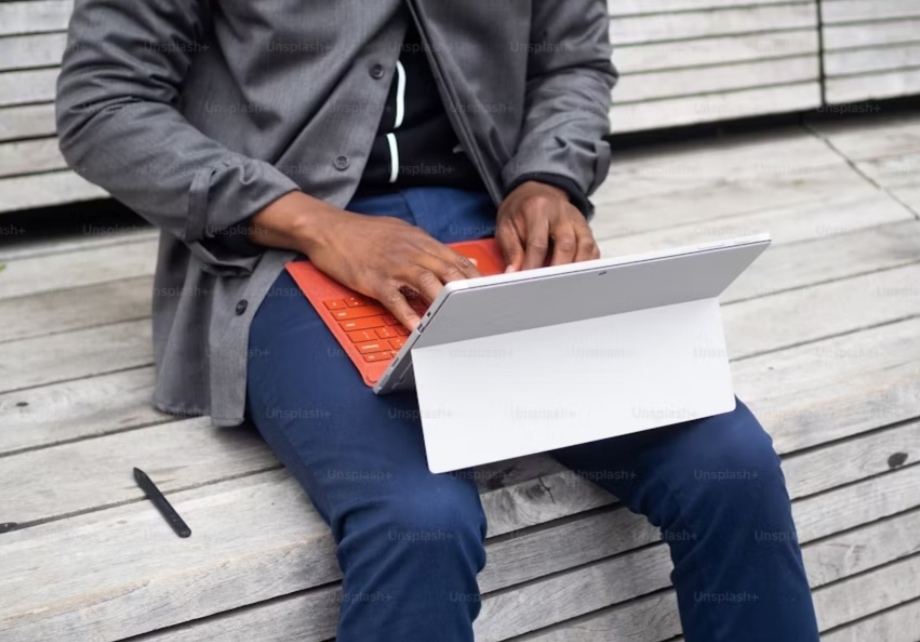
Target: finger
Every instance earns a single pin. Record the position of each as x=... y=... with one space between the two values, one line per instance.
x=392 y=298
x=448 y=264
x=467 y=266
x=425 y=282
x=512 y=249
x=587 y=246
x=451 y=265
x=536 y=245
x=565 y=243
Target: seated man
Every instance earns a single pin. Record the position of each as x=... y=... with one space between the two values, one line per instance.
x=366 y=136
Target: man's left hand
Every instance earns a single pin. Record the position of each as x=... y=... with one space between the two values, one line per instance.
x=536 y=218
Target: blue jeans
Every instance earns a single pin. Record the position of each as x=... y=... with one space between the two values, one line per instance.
x=409 y=541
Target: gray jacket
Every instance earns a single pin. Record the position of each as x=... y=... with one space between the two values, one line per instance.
x=198 y=113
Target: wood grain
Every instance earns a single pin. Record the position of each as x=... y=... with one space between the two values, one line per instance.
x=63 y=412
x=72 y=355
x=26 y=121
x=713 y=107
x=683 y=54
x=34 y=16
x=32 y=86
x=53 y=188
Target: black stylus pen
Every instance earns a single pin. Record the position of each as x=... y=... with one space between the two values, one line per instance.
x=166 y=510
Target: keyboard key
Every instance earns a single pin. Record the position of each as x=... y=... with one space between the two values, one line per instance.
x=362 y=324
x=356 y=301
x=357 y=313
x=389 y=319
x=363 y=335
x=373 y=346
x=401 y=331
x=385 y=333
x=335 y=304
x=378 y=356
x=397 y=343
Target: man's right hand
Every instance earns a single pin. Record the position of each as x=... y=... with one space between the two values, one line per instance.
x=381 y=257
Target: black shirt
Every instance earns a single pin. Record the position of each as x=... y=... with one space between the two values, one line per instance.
x=415 y=143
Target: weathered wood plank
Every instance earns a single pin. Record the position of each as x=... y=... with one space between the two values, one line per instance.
x=866 y=594
x=875 y=86
x=840 y=463
x=102 y=304
x=863 y=548
x=80 y=268
x=30 y=156
x=708 y=108
x=682 y=54
x=32 y=86
x=769 y=380
x=816 y=261
x=205 y=454
x=910 y=196
x=655 y=85
x=638 y=7
x=870 y=34
x=670 y=168
x=713 y=210
x=53 y=188
x=872 y=136
x=722 y=22
x=854 y=385
x=652 y=618
x=572 y=593
x=26 y=121
x=71 y=355
x=811 y=219
x=844 y=11
x=810 y=314
x=91 y=236
x=77 y=409
x=863 y=61
x=25 y=52
x=860 y=503
x=893 y=171
x=34 y=16
x=897 y=625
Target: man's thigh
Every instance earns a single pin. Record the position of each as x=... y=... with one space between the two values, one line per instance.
x=677 y=462
x=347 y=446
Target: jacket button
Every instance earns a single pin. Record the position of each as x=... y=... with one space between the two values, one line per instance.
x=341 y=162
x=377 y=72
x=241 y=306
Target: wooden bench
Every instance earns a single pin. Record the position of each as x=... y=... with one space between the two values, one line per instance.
x=871 y=49
x=824 y=333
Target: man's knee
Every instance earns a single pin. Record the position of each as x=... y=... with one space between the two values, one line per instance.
x=443 y=510
x=733 y=470
x=440 y=517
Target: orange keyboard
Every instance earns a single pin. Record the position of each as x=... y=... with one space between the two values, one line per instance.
x=375 y=333
x=368 y=334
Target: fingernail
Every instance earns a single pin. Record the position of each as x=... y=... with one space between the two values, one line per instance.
x=510 y=268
